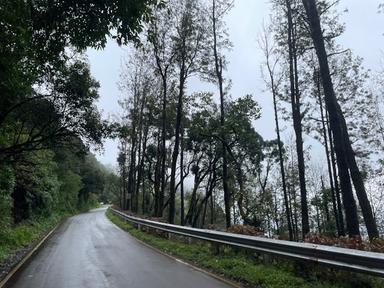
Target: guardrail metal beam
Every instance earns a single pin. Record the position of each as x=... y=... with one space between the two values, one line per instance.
x=356 y=260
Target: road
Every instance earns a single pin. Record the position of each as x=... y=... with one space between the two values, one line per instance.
x=89 y=251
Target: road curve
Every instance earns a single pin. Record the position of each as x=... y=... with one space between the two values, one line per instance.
x=89 y=251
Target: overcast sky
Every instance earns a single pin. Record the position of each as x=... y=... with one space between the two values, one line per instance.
x=364 y=36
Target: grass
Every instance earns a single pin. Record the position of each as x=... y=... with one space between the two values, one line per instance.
x=25 y=233
x=243 y=267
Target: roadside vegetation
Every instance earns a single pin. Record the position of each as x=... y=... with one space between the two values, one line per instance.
x=246 y=267
x=26 y=233
x=55 y=188
x=48 y=116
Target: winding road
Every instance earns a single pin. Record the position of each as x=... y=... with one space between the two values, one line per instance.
x=90 y=251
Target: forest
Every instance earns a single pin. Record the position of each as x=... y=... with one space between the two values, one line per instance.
x=197 y=159
x=190 y=158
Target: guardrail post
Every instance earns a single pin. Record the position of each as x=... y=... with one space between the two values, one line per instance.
x=215 y=248
x=302 y=268
x=267 y=258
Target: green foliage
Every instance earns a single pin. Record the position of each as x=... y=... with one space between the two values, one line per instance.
x=46 y=187
x=7 y=182
x=25 y=233
x=239 y=128
x=64 y=111
x=44 y=182
x=36 y=187
x=92 y=174
x=47 y=92
x=111 y=191
x=69 y=190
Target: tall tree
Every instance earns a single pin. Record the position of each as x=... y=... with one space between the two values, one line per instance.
x=273 y=85
x=219 y=42
x=189 y=45
x=343 y=148
x=292 y=42
x=160 y=37
x=334 y=188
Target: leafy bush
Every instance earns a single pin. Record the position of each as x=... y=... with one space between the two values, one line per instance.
x=7 y=182
x=376 y=245
x=245 y=230
x=70 y=185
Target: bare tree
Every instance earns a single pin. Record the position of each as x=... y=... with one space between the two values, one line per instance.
x=273 y=84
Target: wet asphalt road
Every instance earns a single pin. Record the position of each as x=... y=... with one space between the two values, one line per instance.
x=89 y=251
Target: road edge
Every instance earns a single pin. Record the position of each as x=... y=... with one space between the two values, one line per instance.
x=213 y=275
x=27 y=256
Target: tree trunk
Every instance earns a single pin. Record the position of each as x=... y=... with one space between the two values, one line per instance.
x=192 y=204
x=325 y=200
x=219 y=75
x=160 y=199
x=179 y=114
x=138 y=178
x=181 y=175
x=131 y=173
x=243 y=213
x=281 y=157
x=141 y=172
x=335 y=178
x=296 y=115
x=20 y=209
x=123 y=178
x=294 y=214
x=142 y=146
x=157 y=184
x=209 y=192
x=358 y=183
x=318 y=219
x=212 y=207
x=333 y=193
x=335 y=116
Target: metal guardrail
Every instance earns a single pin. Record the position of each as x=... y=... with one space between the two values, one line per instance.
x=360 y=261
